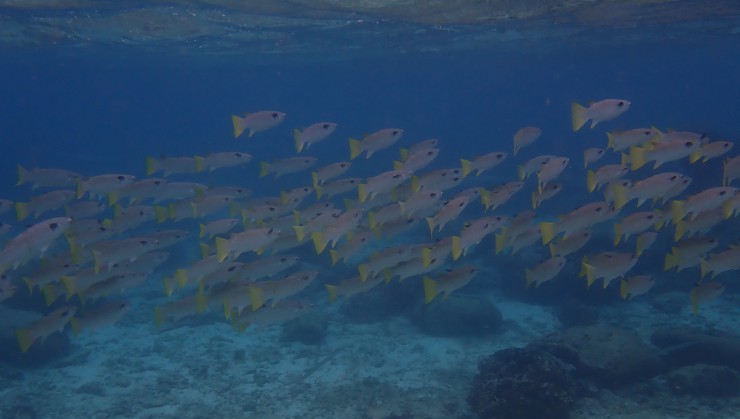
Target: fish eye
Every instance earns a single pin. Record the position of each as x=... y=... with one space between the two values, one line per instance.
x=673 y=177
x=395 y=132
x=238 y=154
x=121 y=177
x=143 y=242
x=689 y=143
x=325 y=126
x=722 y=193
x=342 y=165
x=269 y=231
x=275 y=115
x=620 y=104
x=352 y=181
x=430 y=152
x=598 y=209
x=500 y=156
x=396 y=176
x=650 y=217
x=53 y=226
x=271 y=209
x=122 y=305
x=231 y=269
x=647 y=132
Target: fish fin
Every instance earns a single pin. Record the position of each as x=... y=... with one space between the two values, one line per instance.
x=201 y=301
x=617 y=233
x=161 y=214
x=201 y=230
x=727 y=209
x=371 y=220
x=430 y=289
x=397 y=165
x=354 y=148
x=578 y=116
x=24 y=339
x=590 y=181
x=528 y=277
x=205 y=250
x=315 y=182
x=318 y=241
x=534 y=200
x=610 y=140
x=74 y=322
x=80 y=188
x=669 y=262
x=264 y=168
x=695 y=155
x=426 y=256
x=49 y=294
x=363 y=271
x=158 y=316
x=500 y=243
x=680 y=230
x=69 y=285
x=678 y=210
x=704 y=266
x=430 y=221
x=591 y=274
x=22 y=175
x=362 y=192
x=238 y=125
x=169 y=285
x=553 y=249
x=521 y=174
x=181 y=276
x=624 y=289
x=297 y=140
x=621 y=196
x=335 y=256
x=151 y=165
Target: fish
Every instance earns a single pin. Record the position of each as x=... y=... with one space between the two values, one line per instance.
x=84 y=209
x=384 y=259
x=99 y=317
x=550 y=171
x=655 y=187
x=644 y=241
x=607 y=265
x=449 y=211
x=635 y=286
x=277 y=290
x=578 y=219
x=439 y=180
x=730 y=207
x=500 y=195
x=318 y=222
x=312 y=134
x=688 y=253
x=730 y=170
x=320 y=176
x=474 y=232
x=271 y=315
x=636 y=223
x=623 y=140
x=547 y=192
x=717 y=263
x=108 y=253
x=221 y=160
x=706 y=200
x=334 y=231
x=592 y=155
x=571 y=244
x=217 y=227
x=544 y=271
x=596 y=112
x=604 y=175
x=248 y=240
x=660 y=153
x=47 y=177
x=54 y=321
x=102 y=185
x=482 y=163
x=287 y=166
x=115 y=285
x=527 y=237
x=32 y=242
x=417 y=147
x=127 y=218
x=711 y=150
x=256 y=122
x=704 y=292
x=381 y=183
x=419 y=201
x=356 y=243
x=337 y=187
x=43 y=203
x=525 y=136
x=179 y=309
x=384 y=215
x=532 y=165
x=417 y=160
x=448 y=282
x=374 y=142
x=413 y=267
x=171 y=166
x=349 y=287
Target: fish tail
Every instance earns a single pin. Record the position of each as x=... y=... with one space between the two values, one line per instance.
x=201 y=301
x=297 y=140
x=528 y=276
x=553 y=249
x=238 y=125
x=404 y=154
x=80 y=188
x=727 y=209
x=332 y=290
x=29 y=283
x=161 y=214
x=694 y=302
x=534 y=200
x=397 y=165
x=49 y=295
x=354 y=148
x=617 y=233
x=637 y=157
x=695 y=155
x=624 y=289
x=181 y=276
x=415 y=184
x=547 y=231
x=520 y=172
x=256 y=297
x=21 y=210
x=200 y=163
x=315 y=180
x=578 y=116
x=318 y=192
x=25 y=340
x=426 y=256
x=456 y=247
x=362 y=192
x=467 y=167
x=158 y=316
x=669 y=262
x=680 y=230
x=318 y=242
x=371 y=220
x=222 y=249
x=430 y=289
x=500 y=243
x=300 y=233
x=22 y=175
x=591 y=181
x=430 y=221
x=704 y=266
x=621 y=196
x=590 y=274
x=678 y=210
x=69 y=285
x=264 y=168
x=335 y=256
x=201 y=230
x=363 y=271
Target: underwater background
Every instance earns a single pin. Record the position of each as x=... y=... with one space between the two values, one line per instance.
x=94 y=88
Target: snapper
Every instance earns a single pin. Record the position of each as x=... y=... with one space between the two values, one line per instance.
x=596 y=112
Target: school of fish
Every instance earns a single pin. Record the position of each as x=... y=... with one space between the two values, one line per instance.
x=84 y=243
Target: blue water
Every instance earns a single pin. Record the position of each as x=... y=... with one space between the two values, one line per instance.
x=102 y=111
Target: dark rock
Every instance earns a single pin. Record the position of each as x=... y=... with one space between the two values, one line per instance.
x=458 y=316
x=308 y=330
x=687 y=346
x=609 y=355
x=523 y=383
x=704 y=380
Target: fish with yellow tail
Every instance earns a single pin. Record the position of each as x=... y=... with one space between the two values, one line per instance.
x=635 y=286
x=711 y=150
x=636 y=223
x=704 y=292
x=45 y=326
x=591 y=155
x=482 y=163
x=474 y=232
x=353 y=286
x=603 y=110
x=544 y=271
x=448 y=282
x=256 y=122
x=99 y=317
x=312 y=134
x=447 y=213
x=374 y=142
x=276 y=290
x=249 y=240
x=525 y=136
x=578 y=219
x=607 y=265
x=717 y=263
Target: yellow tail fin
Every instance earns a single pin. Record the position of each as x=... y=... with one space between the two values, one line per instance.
x=21 y=210
x=264 y=169
x=430 y=289
x=624 y=290
x=547 y=230
x=200 y=163
x=457 y=249
x=354 y=148
x=256 y=297
x=578 y=116
x=297 y=140
x=24 y=339
x=238 y=125
x=332 y=290
x=151 y=165
x=222 y=249
x=467 y=167
x=637 y=158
